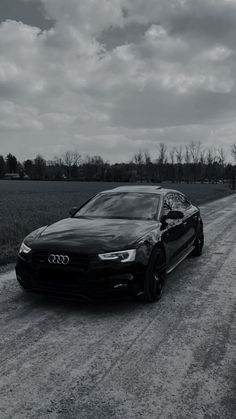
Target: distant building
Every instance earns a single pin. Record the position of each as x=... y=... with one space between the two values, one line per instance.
x=11 y=176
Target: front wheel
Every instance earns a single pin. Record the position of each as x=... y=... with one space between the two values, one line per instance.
x=199 y=242
x=155 y=276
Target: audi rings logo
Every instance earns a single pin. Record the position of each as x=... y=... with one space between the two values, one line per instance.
x=59 y=259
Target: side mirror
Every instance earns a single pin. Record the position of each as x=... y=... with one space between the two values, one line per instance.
x=174 y=215
x=73 y=210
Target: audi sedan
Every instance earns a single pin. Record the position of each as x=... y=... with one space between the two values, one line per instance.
x=123 y=241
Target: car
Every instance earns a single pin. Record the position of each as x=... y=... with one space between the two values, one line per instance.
x=122 y=242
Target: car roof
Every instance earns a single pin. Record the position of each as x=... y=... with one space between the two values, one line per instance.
x=142 y=188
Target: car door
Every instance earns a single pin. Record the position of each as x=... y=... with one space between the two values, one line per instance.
x=173 y=231
x=190 y=219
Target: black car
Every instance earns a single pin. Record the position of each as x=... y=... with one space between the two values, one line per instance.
x=121 y=242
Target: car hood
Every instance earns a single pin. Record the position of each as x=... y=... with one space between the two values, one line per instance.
x=93 y=235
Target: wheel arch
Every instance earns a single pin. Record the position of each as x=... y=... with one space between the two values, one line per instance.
x=200 y=223
x=161 y=246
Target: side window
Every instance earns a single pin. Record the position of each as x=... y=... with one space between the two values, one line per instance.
x=168 y=203
x=166 y=208
x=185 y=203
x=178 y=203
x=169 y=200
x=175 y=201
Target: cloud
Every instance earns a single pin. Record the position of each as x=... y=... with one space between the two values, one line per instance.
x=170 y=67
x=14 y=117
x=89 y=16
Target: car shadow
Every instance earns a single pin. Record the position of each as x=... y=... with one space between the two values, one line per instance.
x=53 y=302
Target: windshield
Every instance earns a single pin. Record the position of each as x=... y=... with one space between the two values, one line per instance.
x=128 y=205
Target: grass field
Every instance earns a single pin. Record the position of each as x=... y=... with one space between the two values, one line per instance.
x=27 y=205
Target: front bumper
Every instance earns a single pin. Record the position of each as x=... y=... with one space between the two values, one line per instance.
x=103 y=280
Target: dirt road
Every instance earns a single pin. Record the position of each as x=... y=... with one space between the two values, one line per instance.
x=173 y=359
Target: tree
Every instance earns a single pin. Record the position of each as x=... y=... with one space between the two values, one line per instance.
x=172 y=155
x=39 y=167
x=202 y=165
x=70 y=159
x=179 y=159
x=195 y=152
x=2 y=166
x=161 y=161
x=11 y=163
x=20 y=170
x=56 y=168
x=221 y=156
x=28 y=167
x=233 y=151
x=139 y=162
x=148 y=165
x=211 y=159
x=94 y=168
x=162 y=158
x=187 y=163
x=172 y=164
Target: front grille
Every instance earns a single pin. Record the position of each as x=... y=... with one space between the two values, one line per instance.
x=72 y=283
x=79 y=261
x=58 y=280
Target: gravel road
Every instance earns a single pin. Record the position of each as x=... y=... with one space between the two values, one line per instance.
x=173 y=359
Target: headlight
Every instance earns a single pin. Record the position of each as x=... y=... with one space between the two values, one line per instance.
x=24 y=249
x=123 y=256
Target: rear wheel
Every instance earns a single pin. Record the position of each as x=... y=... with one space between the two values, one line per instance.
x=199 y=242
x=155 y=276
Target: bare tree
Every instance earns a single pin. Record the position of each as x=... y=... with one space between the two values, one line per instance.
x=147 y=157
x=148 y=165
x=172 y=155
x=211 y=155
x=139 y=160
x=179 y=160
x=202 y=158
x=187 y=168
x=70 y=159
x=162 y=157
x=172 y=164
x=195 y=151
x=222 y=156
x=161 y=161
x=179 y=154
x=58 y=168
x=76 y=158
x=212 y=164
x=233 y=151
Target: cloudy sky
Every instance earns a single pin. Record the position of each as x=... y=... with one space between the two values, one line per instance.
x=111 y=77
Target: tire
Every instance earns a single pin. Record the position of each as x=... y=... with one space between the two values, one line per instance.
x=155 y=276
x=199 y=242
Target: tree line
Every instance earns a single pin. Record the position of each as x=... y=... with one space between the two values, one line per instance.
x=190 y=163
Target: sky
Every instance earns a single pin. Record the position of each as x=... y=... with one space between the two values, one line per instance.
x=111 y=77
